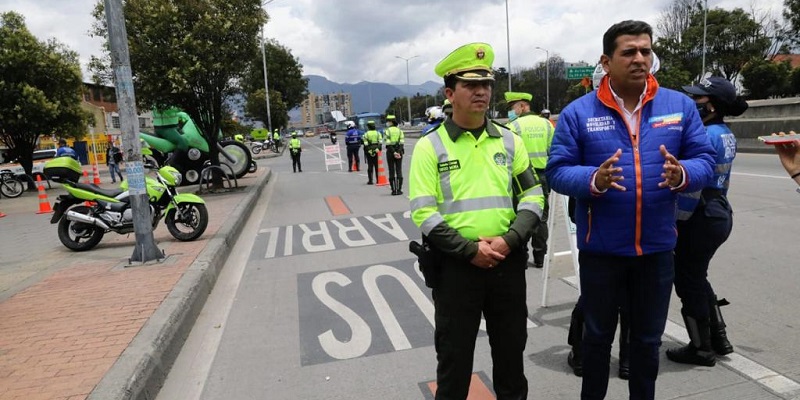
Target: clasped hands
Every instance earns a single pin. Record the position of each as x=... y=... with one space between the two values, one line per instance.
x=607 y=175
x=491 y=251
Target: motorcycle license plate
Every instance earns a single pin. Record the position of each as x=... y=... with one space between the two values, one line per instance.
x=57 y=213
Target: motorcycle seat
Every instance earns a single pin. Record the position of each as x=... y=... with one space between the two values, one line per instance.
x=99 y=190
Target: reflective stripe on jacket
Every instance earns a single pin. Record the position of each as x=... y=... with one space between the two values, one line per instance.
x=537 y=134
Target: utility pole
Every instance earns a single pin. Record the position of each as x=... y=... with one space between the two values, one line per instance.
x=145 y=249
x=408 y=86
x=546 y=74
x=508 y=48
x=705 y=30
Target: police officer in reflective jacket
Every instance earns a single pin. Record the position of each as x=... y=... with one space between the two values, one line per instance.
x=705 y=220
x=476 y=200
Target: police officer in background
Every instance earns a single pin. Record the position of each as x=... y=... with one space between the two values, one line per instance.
x=466 y=178
x=276 y=136
x=705 y=220
x=395 y=139
x=537 y=134
x=372 y=145
x=447 y=108
x=64 y=150
x=294 y=151
x=352 y=139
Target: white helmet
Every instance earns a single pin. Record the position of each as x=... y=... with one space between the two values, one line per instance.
x=349 y=124
x=434 y=113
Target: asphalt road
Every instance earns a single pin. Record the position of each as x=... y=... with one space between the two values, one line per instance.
x=323 y=302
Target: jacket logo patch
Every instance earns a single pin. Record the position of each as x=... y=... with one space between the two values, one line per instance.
x=500 y=159
x=448 y=166
x=600 y=124
x=666 y=120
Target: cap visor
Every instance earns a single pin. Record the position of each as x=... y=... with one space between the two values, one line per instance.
x=475 y=75
x=695 y=90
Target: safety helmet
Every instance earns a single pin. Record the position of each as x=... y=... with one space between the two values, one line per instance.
x=294 y=134
x=434 y=113
x=546 y=112
x=349 y=124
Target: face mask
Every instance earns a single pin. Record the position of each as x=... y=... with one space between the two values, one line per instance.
x=512 y=115
x=702 y=109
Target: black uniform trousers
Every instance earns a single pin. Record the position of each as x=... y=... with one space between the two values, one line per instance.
x=699 y=237
x=464 y=293
x=352 y=157
x=395 y=165
x=372 y=167
x=296 y=161
x=540 y=232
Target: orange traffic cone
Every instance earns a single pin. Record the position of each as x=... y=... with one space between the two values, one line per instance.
x=87 y=203
x=382 y=181
x=354 y=167
x=95 y=175
x=44 y=205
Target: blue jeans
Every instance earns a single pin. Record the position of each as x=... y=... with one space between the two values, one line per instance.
x=607 y=281
x=112 y=168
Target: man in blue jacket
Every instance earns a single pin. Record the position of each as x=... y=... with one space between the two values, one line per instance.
x=624 y=151
x=352 y=140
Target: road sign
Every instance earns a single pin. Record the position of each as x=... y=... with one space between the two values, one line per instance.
x=579 y=72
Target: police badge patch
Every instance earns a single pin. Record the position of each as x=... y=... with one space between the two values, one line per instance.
x=500 y=159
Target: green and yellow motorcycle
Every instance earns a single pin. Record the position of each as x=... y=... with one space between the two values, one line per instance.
x=81 y=227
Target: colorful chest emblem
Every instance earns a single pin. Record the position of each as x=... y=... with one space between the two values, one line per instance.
x=666 y=120
x=500 y=159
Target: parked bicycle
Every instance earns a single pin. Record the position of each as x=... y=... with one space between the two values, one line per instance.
x=11 y=185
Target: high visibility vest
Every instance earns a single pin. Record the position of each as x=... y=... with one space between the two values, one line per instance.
x=469 y=183
x=394 y=136
x=294 y=143
x=537 y=134
x=372 y=141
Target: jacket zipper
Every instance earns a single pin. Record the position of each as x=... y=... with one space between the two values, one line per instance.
x=589 y=230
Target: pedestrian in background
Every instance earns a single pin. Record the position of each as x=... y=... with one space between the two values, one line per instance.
x=537 y=134
x=476 y=200
x=113 y=160
x=705 y=220
x=623 y=152
x=395 y=149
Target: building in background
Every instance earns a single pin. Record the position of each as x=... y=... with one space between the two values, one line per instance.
x=316 y=109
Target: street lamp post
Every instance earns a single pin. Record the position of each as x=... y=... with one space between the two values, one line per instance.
x=705 y=30
x=546 y=75
x=266 y=82
x=508 y=48
x=408 y=86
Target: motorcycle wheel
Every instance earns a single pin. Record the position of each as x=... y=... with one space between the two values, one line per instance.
x=79 y=236
x=256 y=149
x=242 y=155
x=12 y=187
x=193 y=223
x=253 y=167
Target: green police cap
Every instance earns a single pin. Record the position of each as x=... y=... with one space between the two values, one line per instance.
x=371 y=123
x=390 y=117
x=511 y=97
x=470 y=62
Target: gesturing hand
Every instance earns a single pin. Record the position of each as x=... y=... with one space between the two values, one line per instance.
x=789 y=154
x=605 y=176
x=673 y=172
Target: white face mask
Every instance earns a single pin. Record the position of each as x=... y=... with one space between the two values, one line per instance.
x=512 y=115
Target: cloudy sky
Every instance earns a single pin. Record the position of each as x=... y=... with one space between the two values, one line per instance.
x=358 y=40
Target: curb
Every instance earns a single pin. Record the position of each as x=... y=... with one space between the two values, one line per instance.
x=140 y=370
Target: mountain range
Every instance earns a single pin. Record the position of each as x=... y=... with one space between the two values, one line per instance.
x=367 y=96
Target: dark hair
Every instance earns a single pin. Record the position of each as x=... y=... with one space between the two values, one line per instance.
x=628 y=27
x=62 y=142
x=450 y=81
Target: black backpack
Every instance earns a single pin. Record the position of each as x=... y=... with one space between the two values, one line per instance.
x=116 y=154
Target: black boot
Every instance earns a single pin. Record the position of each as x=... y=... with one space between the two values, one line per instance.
x=392 y=184
x=698 y=351
x=624 y=346
x=719 y=337
x=575 y=339
x=399 y=185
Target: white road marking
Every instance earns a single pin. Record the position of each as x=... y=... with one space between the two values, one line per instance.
x=759 y=175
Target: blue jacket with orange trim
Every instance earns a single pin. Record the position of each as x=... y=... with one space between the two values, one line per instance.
x=640 y=220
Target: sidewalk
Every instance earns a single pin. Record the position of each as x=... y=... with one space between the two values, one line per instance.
x=87 y=326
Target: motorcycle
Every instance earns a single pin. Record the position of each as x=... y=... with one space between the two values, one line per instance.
x=191 y=163
x=81 y=227
x=333 y=137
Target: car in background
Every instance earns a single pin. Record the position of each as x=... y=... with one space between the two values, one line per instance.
x=39 y=157
x=309 y=134
x=324 y=135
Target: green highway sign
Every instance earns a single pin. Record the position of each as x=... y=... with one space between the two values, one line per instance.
x=579 y=72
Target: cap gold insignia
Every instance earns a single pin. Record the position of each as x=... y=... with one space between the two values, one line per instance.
x=480 y=53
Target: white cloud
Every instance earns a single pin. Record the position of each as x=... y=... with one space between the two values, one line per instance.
x=357 y=40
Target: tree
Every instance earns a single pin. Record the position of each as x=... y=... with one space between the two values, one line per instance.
x=40 y=89
x=188 y=54
x=791 y=13
x=764 y=78
x=286 y=81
